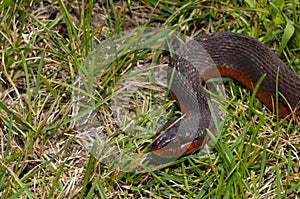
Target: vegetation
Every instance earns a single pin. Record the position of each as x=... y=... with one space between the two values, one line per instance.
x=45 y=44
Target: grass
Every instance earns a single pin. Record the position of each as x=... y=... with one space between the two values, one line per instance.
x=43 y=48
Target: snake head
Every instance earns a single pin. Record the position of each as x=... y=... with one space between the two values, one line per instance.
x=177 y=138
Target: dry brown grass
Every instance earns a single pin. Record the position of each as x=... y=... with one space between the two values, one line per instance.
x=42 y=49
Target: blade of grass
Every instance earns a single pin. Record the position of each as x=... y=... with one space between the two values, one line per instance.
x=28 y=193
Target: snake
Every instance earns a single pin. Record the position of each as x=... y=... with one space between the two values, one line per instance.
x=221 y=54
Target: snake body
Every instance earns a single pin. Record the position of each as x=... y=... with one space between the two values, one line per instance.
x=233 y=55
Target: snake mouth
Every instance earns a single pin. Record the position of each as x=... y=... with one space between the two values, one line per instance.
x=176 y=148
x=170 y=142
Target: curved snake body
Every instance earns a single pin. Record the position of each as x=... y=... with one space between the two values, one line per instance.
x=233 y=55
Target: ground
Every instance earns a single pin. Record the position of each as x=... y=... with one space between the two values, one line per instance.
x=44 y=45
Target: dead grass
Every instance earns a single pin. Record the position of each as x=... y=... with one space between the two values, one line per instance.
x=43 y=46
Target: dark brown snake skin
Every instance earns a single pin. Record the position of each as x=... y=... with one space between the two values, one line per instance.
x=222 y=54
